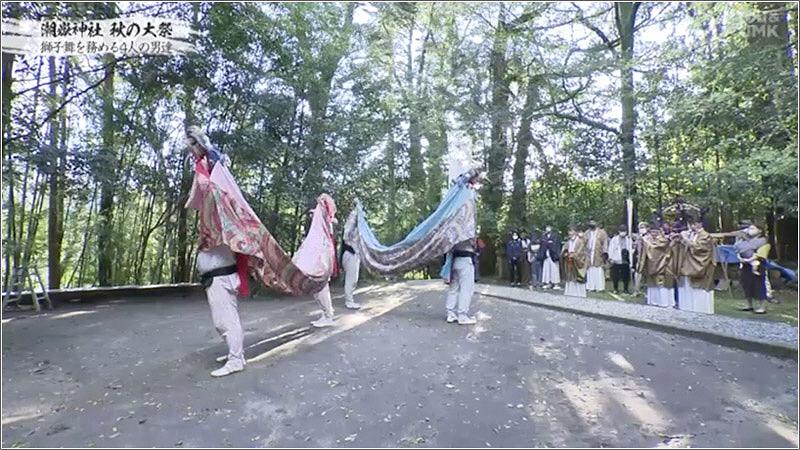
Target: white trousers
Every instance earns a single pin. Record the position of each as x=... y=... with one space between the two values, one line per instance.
x=323 y=299
x=550 y=272
x=225 y=315
x=351 y=264
x=575 y=289
x=694 y=299
x=595 y=279
x=661 y=296
x=462 y=285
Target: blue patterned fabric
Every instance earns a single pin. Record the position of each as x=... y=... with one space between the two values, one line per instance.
x=453 y=221
x=727 y=254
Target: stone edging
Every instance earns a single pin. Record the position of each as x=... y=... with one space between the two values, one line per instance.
x=781 y=350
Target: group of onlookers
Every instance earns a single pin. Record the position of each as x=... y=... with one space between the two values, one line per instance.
x=675 y=262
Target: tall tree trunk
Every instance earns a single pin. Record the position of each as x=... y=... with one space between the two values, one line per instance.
x=416 y=171
x=625 y=15
x=33 y=221
x=157 y=271
x=9 y=176
x=182 y=271
x=181 y=258
x=437 y=148
x=147 y=231
x=518 y=211
x=80 y=263
x=498 y=150
x=280 y=184
x=18 y=227
x=391 y=186
x=55 y=219
x=106 y=213
x=319 y=94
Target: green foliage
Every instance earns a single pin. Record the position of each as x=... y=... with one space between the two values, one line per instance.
x=366 y=100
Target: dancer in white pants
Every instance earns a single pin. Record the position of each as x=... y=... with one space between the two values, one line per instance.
x=462 y=284
x=323 y=299
x=351 y=261
x=218 y=273
x=351 y=264
x=217 y=268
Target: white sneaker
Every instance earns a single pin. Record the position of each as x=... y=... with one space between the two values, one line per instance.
x=451 y=317
x=323 y=322
x=464 y=319
x=353 y=305
x=227 y=369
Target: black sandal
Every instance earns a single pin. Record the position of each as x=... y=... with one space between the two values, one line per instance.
x=747 y=308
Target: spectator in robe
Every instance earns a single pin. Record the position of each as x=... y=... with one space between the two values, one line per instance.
x=575 y=257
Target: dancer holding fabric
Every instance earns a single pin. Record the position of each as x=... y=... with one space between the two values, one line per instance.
x=217 y=266
x=450 y=229
x=453 y=222
x=229 y=231
x=462 y=272
x=311 y=254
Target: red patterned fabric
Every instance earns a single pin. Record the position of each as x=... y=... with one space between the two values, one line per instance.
x=225 y=218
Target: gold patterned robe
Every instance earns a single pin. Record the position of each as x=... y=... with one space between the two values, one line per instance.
x=575 y=262
x=697 y=260
x=600 y=247
x=655 y=262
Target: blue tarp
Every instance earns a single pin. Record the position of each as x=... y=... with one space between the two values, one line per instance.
x=727 y=254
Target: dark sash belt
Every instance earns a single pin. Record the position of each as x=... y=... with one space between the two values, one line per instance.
x=462 y=254
x=207 y=278
x=347 y=248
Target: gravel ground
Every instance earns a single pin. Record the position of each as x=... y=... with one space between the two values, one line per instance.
x=752 y=330
x=135 y=373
